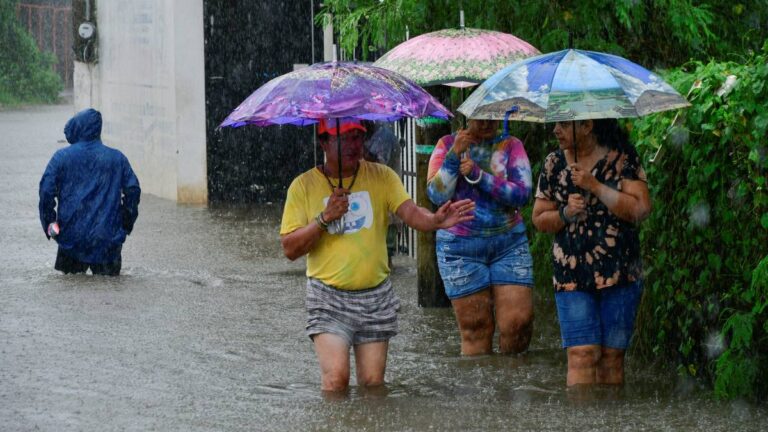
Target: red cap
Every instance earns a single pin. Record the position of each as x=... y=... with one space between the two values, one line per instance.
x=346 y=126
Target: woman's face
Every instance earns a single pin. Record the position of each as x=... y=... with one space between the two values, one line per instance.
x=483 y=129
x=564 y=134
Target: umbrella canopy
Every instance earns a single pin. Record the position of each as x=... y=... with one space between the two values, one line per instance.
x=571 y=85
x=461 y=57
x=335 y=90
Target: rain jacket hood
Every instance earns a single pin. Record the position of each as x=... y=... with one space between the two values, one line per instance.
x=84 y=126
x=91 y=191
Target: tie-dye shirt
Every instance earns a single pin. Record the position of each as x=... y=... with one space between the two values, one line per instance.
x=505 y=183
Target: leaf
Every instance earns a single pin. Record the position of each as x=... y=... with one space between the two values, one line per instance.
x=740 y=325
x=714 y=262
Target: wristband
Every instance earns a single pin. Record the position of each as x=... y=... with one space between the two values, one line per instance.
x=321 y=222
x=563 y=216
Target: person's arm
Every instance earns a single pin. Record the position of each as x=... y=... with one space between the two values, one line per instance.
x=515 y=189
x=442 y=173
x=48 y=192
x=299 y=242
x=448 y=215
x=546 y=216
x=632 y=203
x=550 y=218
x=129 y=207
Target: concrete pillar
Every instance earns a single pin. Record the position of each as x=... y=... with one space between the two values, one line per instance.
x=189 y=93
x=328 y=46
x=149 y=84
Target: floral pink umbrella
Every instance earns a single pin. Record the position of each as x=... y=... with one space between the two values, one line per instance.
x=461 y=57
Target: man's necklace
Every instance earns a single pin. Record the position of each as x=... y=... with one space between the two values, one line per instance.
x=354 y=177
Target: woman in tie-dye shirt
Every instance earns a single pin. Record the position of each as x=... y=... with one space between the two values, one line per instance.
x=485 y=262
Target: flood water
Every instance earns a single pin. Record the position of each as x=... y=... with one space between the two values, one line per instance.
x=204 y=332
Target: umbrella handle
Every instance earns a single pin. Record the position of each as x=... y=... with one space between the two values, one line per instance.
x=338 y=149
x=509 y=112
x=575 y=144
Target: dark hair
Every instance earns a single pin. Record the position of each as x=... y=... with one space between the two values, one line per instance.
x=610 y=134
x=370 y=128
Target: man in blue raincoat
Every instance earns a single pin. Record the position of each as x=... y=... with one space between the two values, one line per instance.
x=89 y=199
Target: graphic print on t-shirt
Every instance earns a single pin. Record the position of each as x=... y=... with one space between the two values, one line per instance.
x=360 y=214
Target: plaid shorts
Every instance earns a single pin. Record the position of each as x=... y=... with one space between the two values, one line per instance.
x=362 y=316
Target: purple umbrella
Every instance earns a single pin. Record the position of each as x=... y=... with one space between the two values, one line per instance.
x=335 y=91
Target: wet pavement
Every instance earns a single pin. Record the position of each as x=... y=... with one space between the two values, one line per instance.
x=204 y=332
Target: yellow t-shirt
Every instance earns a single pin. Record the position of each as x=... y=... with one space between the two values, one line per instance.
x=356 y=259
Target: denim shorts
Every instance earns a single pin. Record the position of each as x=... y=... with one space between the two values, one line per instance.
x=605 y=317
x=469 y=264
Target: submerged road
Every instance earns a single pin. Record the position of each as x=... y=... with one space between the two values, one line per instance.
x=204 y=332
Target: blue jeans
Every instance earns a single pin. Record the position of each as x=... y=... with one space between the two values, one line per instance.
x=605 y=317
x=470 y=264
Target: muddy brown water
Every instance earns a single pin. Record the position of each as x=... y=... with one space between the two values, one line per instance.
x=204 y=332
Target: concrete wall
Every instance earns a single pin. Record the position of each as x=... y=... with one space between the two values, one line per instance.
x=149 y=84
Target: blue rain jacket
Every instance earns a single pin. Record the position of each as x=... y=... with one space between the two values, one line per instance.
x=91 y=190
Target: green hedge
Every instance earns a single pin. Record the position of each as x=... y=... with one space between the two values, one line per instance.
x=705 y=244
x=654 y=33
x=26 y=74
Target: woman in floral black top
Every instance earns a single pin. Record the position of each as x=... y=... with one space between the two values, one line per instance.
x=593 y=208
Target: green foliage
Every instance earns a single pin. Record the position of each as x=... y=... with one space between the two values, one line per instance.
x=26 y=74
x=654 y=33
x=706 y=242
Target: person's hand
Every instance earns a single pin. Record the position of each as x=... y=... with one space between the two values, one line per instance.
x=583 y=178
x=576 y=209
x=467 y=165
x=452 y=213
x=462 y=141
x=337 y=205
x=53 y=230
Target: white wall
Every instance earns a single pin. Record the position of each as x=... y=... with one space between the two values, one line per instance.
x=149 y=85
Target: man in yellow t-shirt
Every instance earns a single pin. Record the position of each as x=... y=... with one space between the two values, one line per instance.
x=350 y=300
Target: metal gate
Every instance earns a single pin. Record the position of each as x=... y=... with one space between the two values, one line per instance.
x=51 y=27
x=406 y=131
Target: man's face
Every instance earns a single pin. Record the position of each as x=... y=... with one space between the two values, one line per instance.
x=351 y=148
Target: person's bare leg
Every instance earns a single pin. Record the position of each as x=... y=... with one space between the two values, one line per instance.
x=474 y=314
x=371 y=363
x=610 y=368
x=514 y=317
x=582 y=364
x=333 y=355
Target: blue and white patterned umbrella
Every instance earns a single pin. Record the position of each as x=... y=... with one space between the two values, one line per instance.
x=571 y=85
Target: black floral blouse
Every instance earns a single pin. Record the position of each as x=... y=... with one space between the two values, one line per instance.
x=602 y=250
